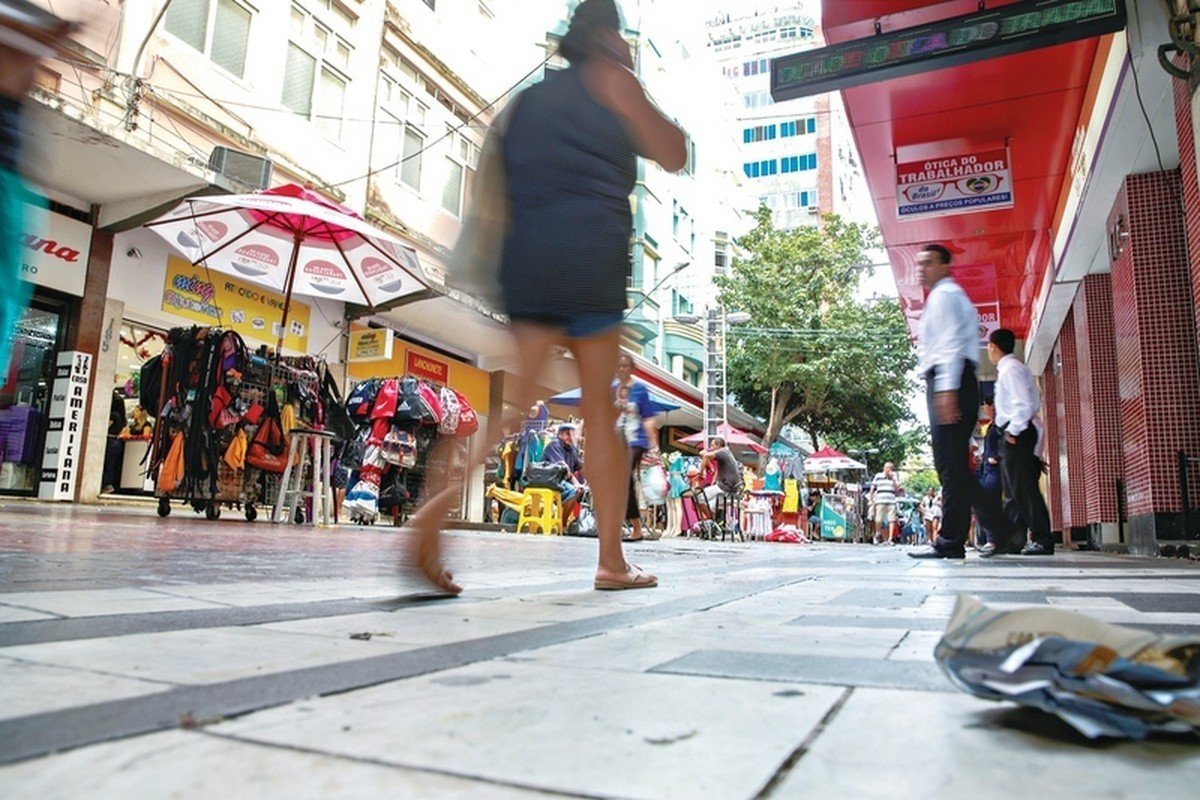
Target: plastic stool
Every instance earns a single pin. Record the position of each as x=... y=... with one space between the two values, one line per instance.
x=308 y=452
x=541 y=510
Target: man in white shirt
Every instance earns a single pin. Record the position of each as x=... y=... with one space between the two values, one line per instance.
x=947 y=350
x=1017 y=406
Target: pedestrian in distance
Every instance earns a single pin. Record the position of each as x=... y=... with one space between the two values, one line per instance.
x=569 y=154
x=989 y=469
x=637 y=425
x=948 y=349
x=882 y=502
x=1017 y=405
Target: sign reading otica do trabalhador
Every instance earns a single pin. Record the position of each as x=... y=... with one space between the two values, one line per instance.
x=961 y=184
x=64 y=432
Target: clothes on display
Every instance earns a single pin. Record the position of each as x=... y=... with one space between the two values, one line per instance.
x=396 y=422
x=221 y=417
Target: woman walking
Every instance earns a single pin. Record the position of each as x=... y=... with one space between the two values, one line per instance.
x=570 y=150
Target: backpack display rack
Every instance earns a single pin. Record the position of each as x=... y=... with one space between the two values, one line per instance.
x=397 y=422
x=216 y=405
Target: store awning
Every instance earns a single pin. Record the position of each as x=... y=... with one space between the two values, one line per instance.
x=1030 y=103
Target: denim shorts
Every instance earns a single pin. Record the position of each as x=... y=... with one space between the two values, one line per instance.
x=576 y=326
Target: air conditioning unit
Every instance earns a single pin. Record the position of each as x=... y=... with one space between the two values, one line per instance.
x=242 y=170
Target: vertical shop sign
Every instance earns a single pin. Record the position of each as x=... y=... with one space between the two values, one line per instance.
x=959 y=184
x=63 y=458
x=425 y=367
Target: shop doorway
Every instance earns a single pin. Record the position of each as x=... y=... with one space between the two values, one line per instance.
x=25 y=394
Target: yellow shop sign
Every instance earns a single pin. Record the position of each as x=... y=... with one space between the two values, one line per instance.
x=373 y=344
x=213 y=298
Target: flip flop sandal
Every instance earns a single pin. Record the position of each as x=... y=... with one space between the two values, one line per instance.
x=635 y=578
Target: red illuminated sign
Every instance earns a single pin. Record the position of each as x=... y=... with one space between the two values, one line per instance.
x=423 y=366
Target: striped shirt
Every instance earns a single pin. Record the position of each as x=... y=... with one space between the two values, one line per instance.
x=884 y=489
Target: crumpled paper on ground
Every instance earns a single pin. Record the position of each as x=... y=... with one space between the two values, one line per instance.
x=1103 y=680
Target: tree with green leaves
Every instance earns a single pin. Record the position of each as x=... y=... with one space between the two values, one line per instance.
x=812 y=354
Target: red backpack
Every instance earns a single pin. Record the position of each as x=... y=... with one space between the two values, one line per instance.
x=468 y=420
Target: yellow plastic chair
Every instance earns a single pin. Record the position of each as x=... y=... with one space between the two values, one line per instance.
x=541 y=512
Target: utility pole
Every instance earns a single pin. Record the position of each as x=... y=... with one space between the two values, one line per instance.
x=715 y=408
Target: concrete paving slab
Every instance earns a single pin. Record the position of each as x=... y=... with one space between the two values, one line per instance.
x=556 y=729
x=416 y=627
x=30 y=688
x=831 y=670
x=916 y=646
x=200 y=656
x=14 y=614
x=98 y=602
x=183 y=764
x=890 y=744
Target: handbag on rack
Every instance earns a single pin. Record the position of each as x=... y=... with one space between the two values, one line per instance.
x=474 y=264
x=269 y=449
x=399 y=448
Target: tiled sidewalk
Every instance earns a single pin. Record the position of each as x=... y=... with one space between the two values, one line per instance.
x=180 y=658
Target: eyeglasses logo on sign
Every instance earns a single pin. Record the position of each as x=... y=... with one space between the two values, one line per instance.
x=958 y=184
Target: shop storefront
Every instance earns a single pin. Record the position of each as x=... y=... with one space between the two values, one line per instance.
x=152 y=290
x=54 y=260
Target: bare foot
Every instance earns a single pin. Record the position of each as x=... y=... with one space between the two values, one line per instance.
x=426 y=552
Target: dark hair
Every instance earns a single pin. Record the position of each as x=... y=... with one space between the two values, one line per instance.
x=589 y=17
x=1005 y=339
x=717 y=441
x=987 y=400
x=934 y=247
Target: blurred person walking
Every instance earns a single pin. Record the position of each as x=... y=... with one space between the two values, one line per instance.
x=27 y=35
x=948 y=349
x=570 y=147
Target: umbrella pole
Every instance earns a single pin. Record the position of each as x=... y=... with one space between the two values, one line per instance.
x=287 y=295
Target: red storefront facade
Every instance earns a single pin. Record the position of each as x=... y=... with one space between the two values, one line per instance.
x=1096 y=261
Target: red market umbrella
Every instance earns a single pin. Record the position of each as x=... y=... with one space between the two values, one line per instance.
x=829 y=460
x=295 y=241
x=732 y=436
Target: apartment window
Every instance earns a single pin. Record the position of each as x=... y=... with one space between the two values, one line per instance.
x=759 y=133
x=690 y=167
x=461 y=160
x=218 y=28
x=410 y=165
x=314 y=80
x=761 y=169
x=721 y=257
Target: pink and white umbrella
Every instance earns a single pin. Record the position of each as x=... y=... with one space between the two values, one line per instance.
x=295 y=241
x=829 y=460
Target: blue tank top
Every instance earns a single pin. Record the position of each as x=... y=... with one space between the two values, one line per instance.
x=570 y=167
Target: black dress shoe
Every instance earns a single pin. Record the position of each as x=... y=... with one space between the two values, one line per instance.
x=936 y=552
x=999 y=550
x=1037 y=549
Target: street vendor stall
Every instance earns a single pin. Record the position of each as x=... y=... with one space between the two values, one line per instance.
x=840 y=517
